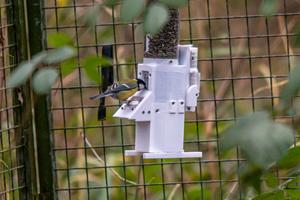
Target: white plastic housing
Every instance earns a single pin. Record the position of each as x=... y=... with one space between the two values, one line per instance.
x=172 y=88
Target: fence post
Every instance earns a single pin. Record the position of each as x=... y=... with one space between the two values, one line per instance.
x=22 y=96
x=41 y=115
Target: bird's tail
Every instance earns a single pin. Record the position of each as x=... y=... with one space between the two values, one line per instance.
x=100 y=96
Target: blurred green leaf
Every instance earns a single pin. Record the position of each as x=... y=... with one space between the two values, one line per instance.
x=44 y=79
x=60 y=39
x=91 y=66
x=276 y=195
x=156 y=17
x=131 y=9
x=195 y=192
x=106 y=35
x=68 y=66
x=261 y=140
x=291 y=159
x=289 y=191
x=268 y=7
x=291 y=88
x=296 y=39
x=271 y=180
x=293 y=183
x=39 y=57
x=174 y=3
x=59 y=55
x=151 y=174
x=251 y=175
x=21 y=74
x=24 y=70
x=109 y=2
x=105 y=62
x=90 y=17
x=292 y=194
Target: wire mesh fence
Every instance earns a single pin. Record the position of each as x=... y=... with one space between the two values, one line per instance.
x=244 y=59
x=12 y=170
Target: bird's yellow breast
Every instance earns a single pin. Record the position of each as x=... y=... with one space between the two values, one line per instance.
x=122 y=96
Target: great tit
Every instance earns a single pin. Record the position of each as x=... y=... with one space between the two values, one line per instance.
x=122 y=91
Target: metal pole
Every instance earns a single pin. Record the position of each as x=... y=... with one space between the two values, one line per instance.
x=41 y=114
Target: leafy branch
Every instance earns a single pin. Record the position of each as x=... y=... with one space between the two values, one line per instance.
x=45 y=77
x=155 y=13
x=42 y=68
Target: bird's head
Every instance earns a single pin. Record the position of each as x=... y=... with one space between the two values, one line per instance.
x=141 y=84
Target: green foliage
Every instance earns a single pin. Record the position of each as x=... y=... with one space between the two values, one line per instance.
x=106 y=35
x=156 y=17
x=174 y=3
x=44 y=79
x=26 y=68
x=270 y=179
x=261 y=140
x=296 y=39
x=292 y=183
x=250 y=176
x=156 y=14
x=277 y=195
x=263 y=143
x=268 y=7
x=59 y=55
x=90 y=18
x=91 y=66
x=68 y=66
x=64 y=41
x=59 y=40
x=291 y=159
x=21 y=74
x=291 y=88
x=109 y=2
x=194 y=192
x=289 y=190
x=131 y=9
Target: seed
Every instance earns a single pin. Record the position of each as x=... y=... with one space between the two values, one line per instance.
x=164 y=43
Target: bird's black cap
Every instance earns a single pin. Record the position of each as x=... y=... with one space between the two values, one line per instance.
x=141 y=82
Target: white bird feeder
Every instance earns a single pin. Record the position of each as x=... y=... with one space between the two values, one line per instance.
x=173 y=86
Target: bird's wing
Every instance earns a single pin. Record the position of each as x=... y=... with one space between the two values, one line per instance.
x=114 y=89
x=99 y=96
x=122 y=87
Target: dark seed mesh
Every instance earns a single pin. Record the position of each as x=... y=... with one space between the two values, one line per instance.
x=164 y=43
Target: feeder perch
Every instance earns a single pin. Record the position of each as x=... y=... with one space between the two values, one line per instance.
x=172 y=89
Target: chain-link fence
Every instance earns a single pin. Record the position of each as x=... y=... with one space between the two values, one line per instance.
x=244 y=59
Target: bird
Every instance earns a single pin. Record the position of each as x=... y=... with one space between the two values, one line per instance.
x=122 y=90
